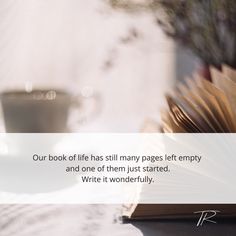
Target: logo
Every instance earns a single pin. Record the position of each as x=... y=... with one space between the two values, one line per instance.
x=206 y=216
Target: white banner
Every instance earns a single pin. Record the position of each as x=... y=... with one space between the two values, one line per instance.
x=91 y=168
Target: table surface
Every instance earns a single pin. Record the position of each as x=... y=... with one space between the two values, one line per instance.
x=91 y=220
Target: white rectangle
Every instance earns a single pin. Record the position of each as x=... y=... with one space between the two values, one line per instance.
x=91 y=168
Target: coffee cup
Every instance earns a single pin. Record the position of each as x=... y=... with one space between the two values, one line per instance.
x=45 y=110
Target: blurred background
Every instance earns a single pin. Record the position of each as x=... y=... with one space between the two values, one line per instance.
x=88 y=45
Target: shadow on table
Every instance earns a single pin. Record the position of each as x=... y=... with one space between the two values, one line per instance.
x=186 y=228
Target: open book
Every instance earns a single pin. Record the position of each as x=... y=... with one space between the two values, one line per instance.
x=196 y=106
x=175 y=211
x=200 y=106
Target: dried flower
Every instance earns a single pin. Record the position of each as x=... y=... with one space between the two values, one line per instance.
x=207 y=27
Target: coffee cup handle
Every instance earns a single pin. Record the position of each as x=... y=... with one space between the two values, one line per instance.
x=85 y=106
